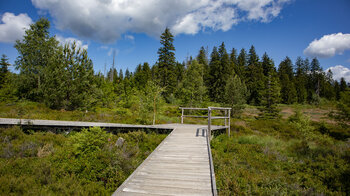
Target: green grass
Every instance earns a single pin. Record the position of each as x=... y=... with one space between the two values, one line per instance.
x=283 y=157
x=131 y=115
x=84 y=163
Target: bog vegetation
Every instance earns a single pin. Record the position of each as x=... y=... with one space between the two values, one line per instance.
x=269 y=154
x=79 y=163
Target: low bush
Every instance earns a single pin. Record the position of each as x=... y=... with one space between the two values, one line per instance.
x=269 y=161
x=80 y=163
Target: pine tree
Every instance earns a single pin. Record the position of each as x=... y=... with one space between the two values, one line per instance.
x=301 y=80
x=270 y=96
x=202 y=58
x=328 y=90
x=343 y=85
x=4 y=69
x=233 y=62
x=180 y=72
x=316 y=76
x=214 y=75
x=166 y=63
x=225 y=71
x=36 y=52
x=286 y=78
x=254 y=77
x=235 y=94
x=241 y=64
x=193 y=89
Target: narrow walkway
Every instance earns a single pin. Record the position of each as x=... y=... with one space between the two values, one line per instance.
x=180 y=165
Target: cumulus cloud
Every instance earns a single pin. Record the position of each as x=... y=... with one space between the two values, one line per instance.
x=107 y=20
x=13 y=27
x=328 y=45
x=340 y=71
x=70 y=40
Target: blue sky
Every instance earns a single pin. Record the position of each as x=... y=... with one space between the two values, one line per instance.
x=306 y=28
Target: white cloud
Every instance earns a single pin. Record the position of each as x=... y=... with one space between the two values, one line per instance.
x=340 y=71
x=129 y=37
x=70 y=40
x=107 y=20
x=328 y=45
x=13 y=27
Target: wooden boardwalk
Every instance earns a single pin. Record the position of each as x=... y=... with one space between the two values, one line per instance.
x=180 y=165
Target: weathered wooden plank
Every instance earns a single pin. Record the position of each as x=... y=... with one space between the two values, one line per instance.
x=179 y=166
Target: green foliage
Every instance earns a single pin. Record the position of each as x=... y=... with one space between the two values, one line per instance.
x=4 y=70
x=286 y=78
x=84 y=163
x=37 y=52
x=166 y=63
x=150 y=102
x=270 y=96
x=192 y=88
x=343 y=113
x=236 y=95
x=262 y=163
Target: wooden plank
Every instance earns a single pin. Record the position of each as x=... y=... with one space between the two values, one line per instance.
x=180 y=165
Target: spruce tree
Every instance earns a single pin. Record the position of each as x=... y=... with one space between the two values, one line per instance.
x=214 y=75
x=270 y=96
x=233 y=62
x=4 y=69
x=193 y=89
x=316 y=76
x=166 y=63
x=235 y=94
x=255 y=77
x=301 y=80
x=202 y=58
x=342 y=85
x=241 y=64
x=286 y=77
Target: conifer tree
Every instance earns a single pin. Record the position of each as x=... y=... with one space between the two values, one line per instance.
x=4 y=69
x=241 y=64
x=235 y=94
x=342 y=85
x=36 y=51
x=270 y=96
x=255 y=77
x=214 y=73
x=316 y=76
x=193 y=89
x=301 y=80
x=202 y=58
x=286 y=78
x=233 y=61
x=166 y=63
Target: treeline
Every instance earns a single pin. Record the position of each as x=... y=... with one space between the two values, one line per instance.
x=63 y=77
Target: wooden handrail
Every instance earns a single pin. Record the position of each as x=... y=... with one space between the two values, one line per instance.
x=210 y=117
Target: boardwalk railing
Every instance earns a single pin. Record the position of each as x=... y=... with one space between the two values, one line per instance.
x=209 y=116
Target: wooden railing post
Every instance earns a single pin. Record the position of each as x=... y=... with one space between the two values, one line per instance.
x=225 y=118
x=182 y=116
x=229 y=122
x=209 y=123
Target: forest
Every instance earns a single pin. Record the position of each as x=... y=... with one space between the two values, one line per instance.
x=269 y=152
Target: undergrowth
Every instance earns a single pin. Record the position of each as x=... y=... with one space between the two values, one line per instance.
x=283 y=157
x=80 y=163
